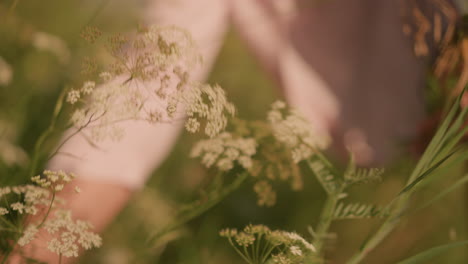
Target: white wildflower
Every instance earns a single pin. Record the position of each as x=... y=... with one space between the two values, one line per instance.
x=3 y=211
x=88 y=87
x=296 y=133
x=65 y=245
x=281 y=259
x=192 y=125
x=225 y=164
x=73 y=96
x=225 y=149
x=266 y=194
x=210 y=103
x=155 y=117
x=71 y=234
x=278 y=105
x=105 y=76
x=274 y=116
x=5 y=191
x=246 y=162
x=18 y=207
x=28 y=235
x=32 y=210
x=296 y=237
x=295 y=250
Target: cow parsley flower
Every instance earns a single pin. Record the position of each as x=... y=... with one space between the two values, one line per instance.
x=19 y=207
x=224 y=150
x=280 y=246
x=3 y=211
x=266 y=194
x=73 y=96
x=295 y=250
x=296 y=132
x=72 y=235
x=208 y=103
x=28 y=235
x=67 y=234
x=88 y=87
x=192 y=125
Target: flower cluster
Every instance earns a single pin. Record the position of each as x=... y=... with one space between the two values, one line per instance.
x=148 y=81
x=91 y=34
x=53 y=180
x=269 y=151
x=225 y=150
x=209 y=103
x=293 y=130
x=266 y=194
x=66 y=235
x=282 y=247
x=34 y=198
x=70 y=235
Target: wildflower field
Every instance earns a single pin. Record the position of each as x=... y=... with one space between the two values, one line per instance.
x=250 y=179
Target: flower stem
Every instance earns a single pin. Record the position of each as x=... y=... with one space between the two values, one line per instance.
x=325 y=221
x=43 y=137
x=184 y=217
x=48 y=211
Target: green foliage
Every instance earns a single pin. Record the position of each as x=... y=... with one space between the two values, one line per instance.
x=195 y=209
x=427 y=255
x=363 y=176
x=325 y=173
x=356 y=211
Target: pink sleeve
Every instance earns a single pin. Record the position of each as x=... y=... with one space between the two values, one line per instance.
x=265 y=26
x=143 y=148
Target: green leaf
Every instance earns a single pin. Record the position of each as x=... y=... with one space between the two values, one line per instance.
x=442 y=135
x=326 y=173
x=455 y=160
x=439 y=196
x=356 y=211
x=426 y=173
x=363 y=175
x=197 y=208
x=424 y=256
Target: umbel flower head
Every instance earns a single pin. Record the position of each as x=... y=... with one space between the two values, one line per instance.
x=296 y=132
x=225 y=150
x=67 y=235
x=269 y=151
x=149 y=80
x=279 y=246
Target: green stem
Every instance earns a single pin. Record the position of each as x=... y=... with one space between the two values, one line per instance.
x=238 y=251
x=382 y=233
x=391 y=221
x=8 y=222
x=48 y=211
x=325 y=221
x=43 y=137
x=5 y=257
x=184 y=217
x=7 y=254
x=9 y=230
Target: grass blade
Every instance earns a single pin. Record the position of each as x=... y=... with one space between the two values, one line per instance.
x=424 y=256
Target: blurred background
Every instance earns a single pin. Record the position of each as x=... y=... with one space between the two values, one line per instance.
x=41 y=52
